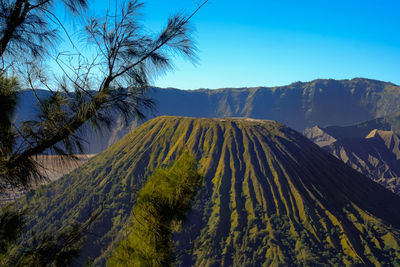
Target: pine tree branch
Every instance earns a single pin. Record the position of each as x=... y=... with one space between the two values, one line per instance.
x=141 y=60
x=16 y=18
x=95 y=103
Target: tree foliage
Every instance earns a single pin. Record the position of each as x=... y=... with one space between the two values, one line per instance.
x=112 y=78
x=160 y=207
x=11 y=224
x=26 y=27
x=45 y=248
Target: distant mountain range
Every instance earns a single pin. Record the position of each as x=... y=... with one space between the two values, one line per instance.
x=298 y=105
x=362 y=129
x=270 y=197
x=371 y=147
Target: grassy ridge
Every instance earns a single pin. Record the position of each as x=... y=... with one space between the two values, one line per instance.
x=270 y=197
x=159 y=209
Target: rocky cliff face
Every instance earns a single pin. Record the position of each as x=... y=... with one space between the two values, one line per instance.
x=298 y=105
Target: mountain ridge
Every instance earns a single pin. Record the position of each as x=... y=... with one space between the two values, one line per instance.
x=298 y=105
x=361 y=129
x=356 y=79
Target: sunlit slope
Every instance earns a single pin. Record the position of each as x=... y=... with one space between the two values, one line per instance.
x=270 y=196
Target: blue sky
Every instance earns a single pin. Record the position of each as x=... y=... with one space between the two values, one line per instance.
x=268 y=43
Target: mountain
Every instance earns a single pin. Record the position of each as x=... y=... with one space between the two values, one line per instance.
x=362 y=129
x=270 y=196
x=319 y=136
x=392 y=183
x=298 y=105
x=376 y=154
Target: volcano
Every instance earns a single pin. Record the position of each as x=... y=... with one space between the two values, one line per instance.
x=270 y=197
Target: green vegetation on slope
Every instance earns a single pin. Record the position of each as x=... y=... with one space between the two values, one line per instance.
x=159 y=210
x=45 y=248
x=11 y=225
x=270 y=197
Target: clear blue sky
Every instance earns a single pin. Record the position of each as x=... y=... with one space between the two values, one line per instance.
x=268 y=43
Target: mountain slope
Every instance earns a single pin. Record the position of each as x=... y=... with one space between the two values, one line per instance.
x=362 y=129
x=377 y=155
x=298 y=105
x=319 y=136
x=270 y=196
